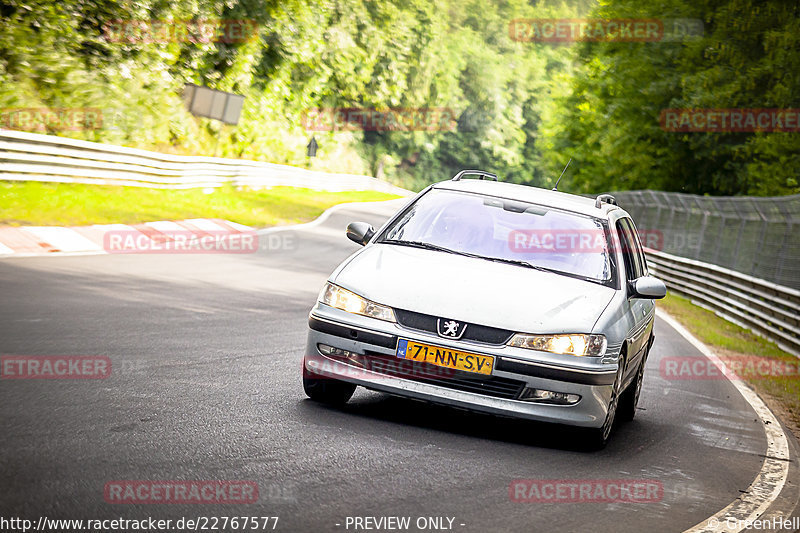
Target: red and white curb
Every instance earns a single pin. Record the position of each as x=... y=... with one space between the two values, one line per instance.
x=23 y=241
x=78 y=240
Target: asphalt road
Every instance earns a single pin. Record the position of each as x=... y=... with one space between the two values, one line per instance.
x=205 y=385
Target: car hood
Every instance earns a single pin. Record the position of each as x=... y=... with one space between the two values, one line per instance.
x=474 y=290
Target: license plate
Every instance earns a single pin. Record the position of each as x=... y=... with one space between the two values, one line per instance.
x=445 y=357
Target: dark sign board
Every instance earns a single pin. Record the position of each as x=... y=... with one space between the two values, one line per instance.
x=210 y=103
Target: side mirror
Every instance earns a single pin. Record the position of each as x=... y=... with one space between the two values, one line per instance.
x=360 y=232
x=649 y=287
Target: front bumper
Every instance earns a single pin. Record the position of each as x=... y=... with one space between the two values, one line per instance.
x=370 y=347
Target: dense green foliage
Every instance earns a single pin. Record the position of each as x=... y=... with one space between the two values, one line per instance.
x=749 y=57
x=522 y=109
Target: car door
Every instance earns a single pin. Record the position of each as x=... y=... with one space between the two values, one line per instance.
x=646 y=306
x=639 y=310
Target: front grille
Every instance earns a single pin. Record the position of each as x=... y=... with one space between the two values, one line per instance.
x=493 y=386
x=474 y=332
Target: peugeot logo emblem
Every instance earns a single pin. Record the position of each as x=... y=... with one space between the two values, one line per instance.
x=450 y=329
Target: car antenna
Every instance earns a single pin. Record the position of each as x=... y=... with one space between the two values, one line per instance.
x=562 y=175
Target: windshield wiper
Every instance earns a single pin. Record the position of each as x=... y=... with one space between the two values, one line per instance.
x=520 y=262
x=526 y=264
x=423 y=245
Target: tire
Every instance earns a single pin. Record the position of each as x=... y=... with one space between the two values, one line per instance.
x=599 y=437
x=630 y=398
x=327 y=390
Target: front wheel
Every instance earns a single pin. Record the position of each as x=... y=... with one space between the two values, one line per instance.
x=630 y=398
x=327 y=390
x=599 y=437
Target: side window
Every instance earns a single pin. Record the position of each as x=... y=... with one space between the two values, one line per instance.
x=634 y=248
x=627 y=249
x=639 y=250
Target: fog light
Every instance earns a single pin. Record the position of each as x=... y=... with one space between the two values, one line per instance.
x=330 y=350
x=550 y=397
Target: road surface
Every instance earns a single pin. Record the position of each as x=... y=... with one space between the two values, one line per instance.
x=205 y=385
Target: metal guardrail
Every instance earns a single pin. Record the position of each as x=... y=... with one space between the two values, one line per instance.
x=35 y=157
x=766 y=308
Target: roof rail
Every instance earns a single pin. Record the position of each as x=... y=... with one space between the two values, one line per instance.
x=605 y=198
x=482 y=173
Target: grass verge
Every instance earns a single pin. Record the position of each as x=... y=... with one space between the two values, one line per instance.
x=778 y=384
x=66 y=204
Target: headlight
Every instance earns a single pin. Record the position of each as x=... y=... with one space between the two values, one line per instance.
x=578 y=344
x=353 y=303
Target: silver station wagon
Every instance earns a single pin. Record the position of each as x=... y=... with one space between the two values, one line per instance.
x=493 y=297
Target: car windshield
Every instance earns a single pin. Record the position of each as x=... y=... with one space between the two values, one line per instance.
x=529 y=235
